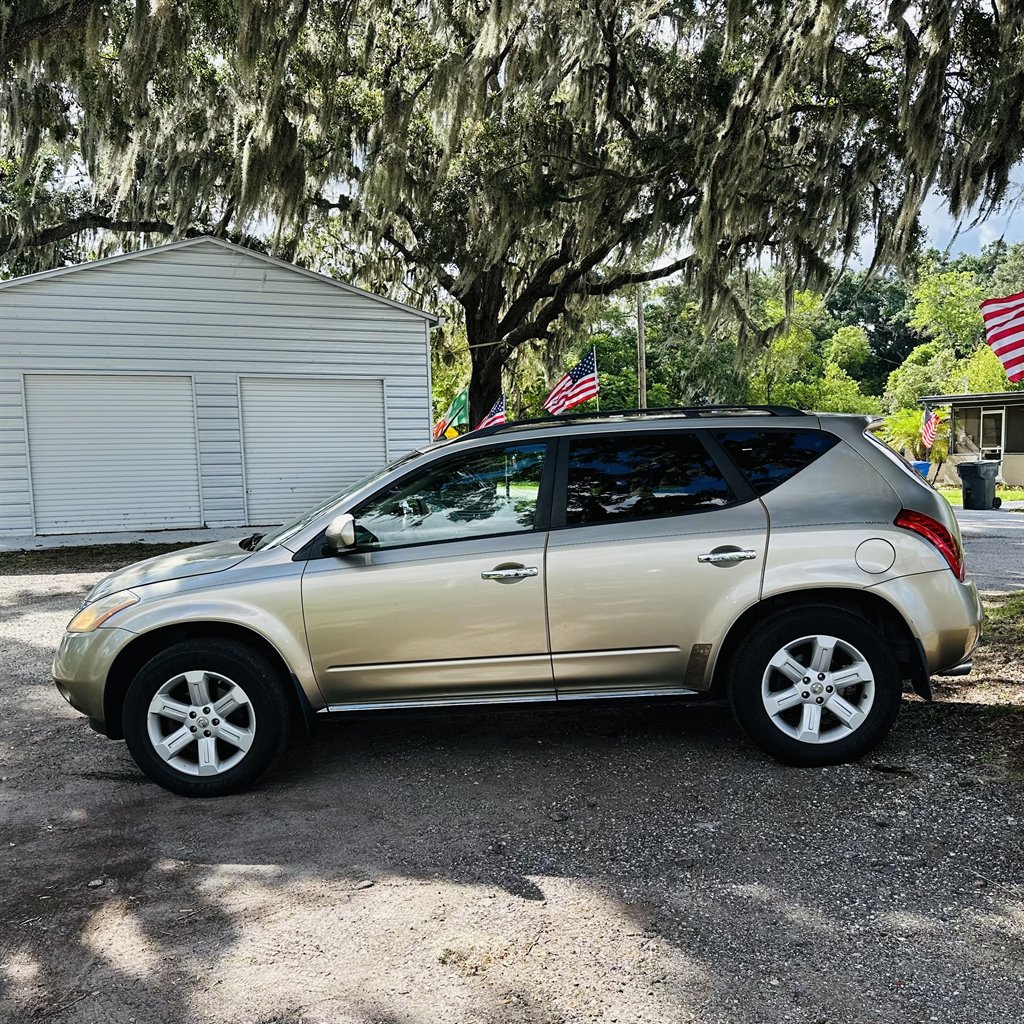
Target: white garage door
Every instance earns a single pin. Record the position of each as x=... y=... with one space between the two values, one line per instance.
x=305 y=438
x=112 y=452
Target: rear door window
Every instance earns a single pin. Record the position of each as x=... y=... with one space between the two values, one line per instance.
x=768 y=458
x=625 y=477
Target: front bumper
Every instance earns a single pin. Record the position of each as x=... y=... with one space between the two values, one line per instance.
x=944 y=614
x=81 y=666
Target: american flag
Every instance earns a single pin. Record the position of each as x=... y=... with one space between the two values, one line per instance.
x=929 y=428
x=495 y=416
x=1004 y=331
x=579 y=384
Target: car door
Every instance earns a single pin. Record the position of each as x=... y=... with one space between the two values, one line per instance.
x=657 y=542
x=442 y=600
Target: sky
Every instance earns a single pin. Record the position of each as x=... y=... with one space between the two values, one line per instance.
x=941 y=227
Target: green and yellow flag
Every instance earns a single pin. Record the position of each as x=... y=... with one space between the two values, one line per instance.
x=456 y=416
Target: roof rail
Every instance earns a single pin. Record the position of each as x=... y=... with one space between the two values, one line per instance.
x=696 y=411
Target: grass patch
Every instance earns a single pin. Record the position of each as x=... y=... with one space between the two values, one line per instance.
x=88 y=558
x=1004 y=618
x=955 y=496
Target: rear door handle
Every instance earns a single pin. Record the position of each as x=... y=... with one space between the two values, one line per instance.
x=518 y=572
x=717 y=557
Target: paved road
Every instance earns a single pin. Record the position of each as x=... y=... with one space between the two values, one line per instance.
x=994 y=543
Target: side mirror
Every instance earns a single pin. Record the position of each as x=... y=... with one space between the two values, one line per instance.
x=341 y=534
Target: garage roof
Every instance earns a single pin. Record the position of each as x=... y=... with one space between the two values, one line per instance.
x=210 y=240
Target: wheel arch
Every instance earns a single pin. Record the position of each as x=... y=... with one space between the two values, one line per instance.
x=147 y=645
x=883 y=615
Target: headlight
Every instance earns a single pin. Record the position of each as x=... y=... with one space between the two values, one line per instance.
x=95 y=614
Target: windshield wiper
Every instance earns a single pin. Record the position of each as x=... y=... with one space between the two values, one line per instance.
x=249 y=543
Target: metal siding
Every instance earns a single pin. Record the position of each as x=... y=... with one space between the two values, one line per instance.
x=15 y=493
x=214 y=312
x=305 y=438
x=112 y=452
x=220 y=450
x=207 y=244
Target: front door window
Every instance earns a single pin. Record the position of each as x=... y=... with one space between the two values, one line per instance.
x=476 y=494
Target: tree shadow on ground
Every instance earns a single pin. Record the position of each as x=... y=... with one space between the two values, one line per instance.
x=639 y=863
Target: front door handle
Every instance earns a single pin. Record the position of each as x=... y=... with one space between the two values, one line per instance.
x=718 y=557
x=518 y=572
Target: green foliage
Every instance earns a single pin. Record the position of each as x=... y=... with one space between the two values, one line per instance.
x=449 y=364
x=519 y=157
x=1008 y=274
x=924 y=372
x=902 y=431
x=979 y=373
x=797 y=368
x=790 y=356
x=945 y=307
x=833 y=391
x=879 y=305
x=848 y=348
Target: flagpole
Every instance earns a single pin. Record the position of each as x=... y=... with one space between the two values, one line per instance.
x=641 y=349
x=593 y=349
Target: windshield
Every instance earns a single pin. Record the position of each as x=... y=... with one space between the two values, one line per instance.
x=283 y=533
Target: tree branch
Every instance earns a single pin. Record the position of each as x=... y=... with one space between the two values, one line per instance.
x=612 y=69
x=101 y=222
x=535 y=290
x=537 y=328
x=564 y=290
x=613 y=284
x=22 y=33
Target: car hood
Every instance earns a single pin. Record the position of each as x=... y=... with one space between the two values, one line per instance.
x=175 y=565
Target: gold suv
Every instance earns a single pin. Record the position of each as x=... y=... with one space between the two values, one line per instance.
x=786 y=561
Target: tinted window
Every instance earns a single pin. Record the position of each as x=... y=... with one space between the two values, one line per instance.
x=476 y=494
x=641 y=477
x=768 y=458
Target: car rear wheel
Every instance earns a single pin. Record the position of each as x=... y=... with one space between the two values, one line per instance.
x=815 y=686
x=206 y=717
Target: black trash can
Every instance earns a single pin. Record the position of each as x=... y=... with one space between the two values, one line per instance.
x=978 y=483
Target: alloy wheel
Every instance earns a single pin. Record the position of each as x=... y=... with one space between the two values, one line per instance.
x=818 y=689
x=201 y=723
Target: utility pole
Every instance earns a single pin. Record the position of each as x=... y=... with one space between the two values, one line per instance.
x=641 y=349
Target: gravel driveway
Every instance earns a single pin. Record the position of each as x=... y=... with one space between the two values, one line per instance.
x=639 y=865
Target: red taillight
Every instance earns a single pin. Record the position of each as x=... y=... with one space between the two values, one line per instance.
x=935 y=533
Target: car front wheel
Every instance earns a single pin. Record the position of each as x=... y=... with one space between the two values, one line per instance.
x=206 y=717
x=815 y=686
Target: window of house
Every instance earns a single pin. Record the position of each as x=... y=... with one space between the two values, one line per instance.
x=966 y=431
x=1014 y=430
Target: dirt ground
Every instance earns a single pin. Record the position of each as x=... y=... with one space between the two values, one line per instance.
x=565 y=865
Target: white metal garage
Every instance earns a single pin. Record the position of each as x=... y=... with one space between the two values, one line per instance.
x=198 y=384
x=112 y=452
x=304 y=438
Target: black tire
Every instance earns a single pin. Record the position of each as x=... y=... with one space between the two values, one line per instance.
x=753 y=658
x=997 y=502
x=267 y=703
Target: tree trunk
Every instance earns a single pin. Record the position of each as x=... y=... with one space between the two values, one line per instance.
x=486 y=353
x=485 y=382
